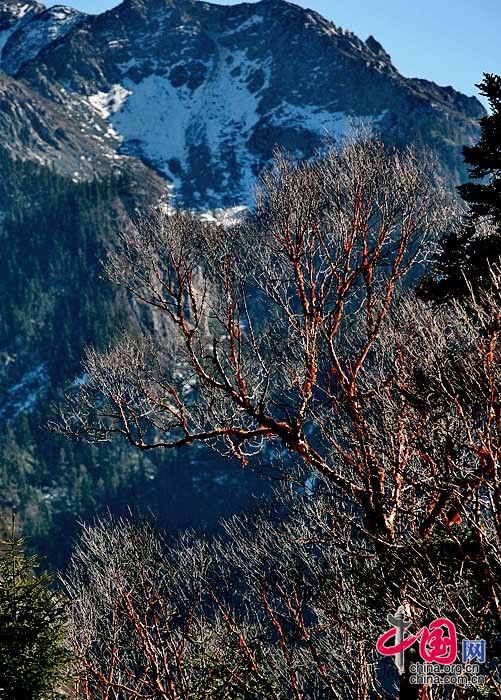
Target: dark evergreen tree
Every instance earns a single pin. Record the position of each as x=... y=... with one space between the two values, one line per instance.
x=32 y=627
x=467 y=254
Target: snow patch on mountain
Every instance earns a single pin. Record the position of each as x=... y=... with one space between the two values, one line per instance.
x=311 y=118
x=165 y=119
x=163 y=122
x=21 y=10
x=227 y=217
x=107 y=103
x=329 y=125
x=23 y=396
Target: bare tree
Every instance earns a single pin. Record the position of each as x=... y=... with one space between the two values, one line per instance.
x=293 y=329
x=264 y=613
x=271 y=324
x=278 y=608
x=135 y=630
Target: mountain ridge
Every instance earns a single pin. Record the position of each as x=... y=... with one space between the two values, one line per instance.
x=203 y=93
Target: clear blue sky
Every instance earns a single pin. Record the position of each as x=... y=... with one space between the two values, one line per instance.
x=451 y=42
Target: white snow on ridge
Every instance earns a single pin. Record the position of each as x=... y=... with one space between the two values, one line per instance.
x=38 y=32
x=205 y=131
x=250 y=23
x=18 y=11
x=22 y=10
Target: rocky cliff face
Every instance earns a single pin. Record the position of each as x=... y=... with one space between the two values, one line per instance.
x=203 y=93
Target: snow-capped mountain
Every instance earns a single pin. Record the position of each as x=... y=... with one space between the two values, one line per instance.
x=204 y=93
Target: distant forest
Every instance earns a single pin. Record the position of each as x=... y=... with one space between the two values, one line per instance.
x=54 y=235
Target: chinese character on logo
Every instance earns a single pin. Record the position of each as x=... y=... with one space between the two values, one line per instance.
x=434 y=647
x=437 y=643
x=473 y=649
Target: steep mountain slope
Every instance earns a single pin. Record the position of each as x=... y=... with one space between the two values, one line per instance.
x=42 y=130
x=204 y=93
